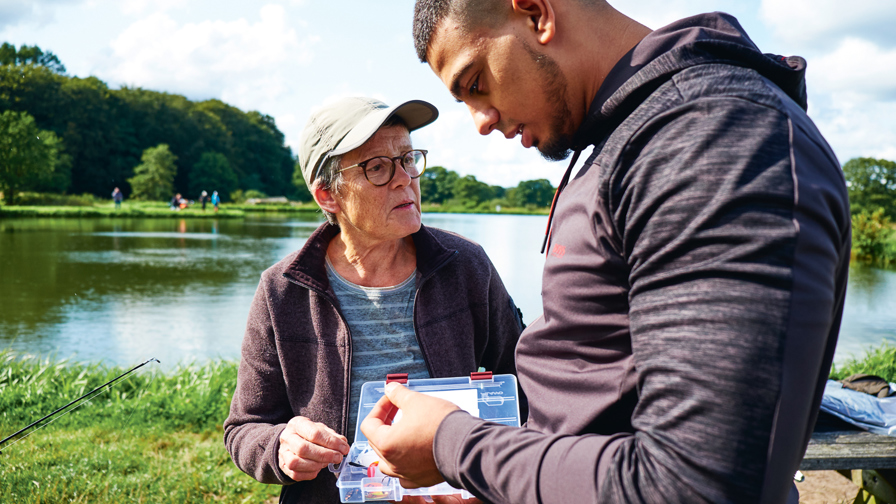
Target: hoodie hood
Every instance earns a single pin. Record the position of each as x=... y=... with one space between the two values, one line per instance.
x=714 y=38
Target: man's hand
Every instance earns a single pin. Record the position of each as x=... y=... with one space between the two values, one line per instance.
x=439 y=499
x=405 y=449
x=306 y=447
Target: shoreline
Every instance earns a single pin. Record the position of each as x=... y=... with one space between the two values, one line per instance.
x=227 y=211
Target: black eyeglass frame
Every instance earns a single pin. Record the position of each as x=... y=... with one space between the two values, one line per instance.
x=393 y=160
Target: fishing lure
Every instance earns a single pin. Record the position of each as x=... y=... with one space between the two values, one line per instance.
x=88 y=395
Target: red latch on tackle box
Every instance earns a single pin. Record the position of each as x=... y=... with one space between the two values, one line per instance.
x=481 y=375
x=398 y=377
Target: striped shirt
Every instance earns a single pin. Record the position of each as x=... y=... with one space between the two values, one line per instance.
x=381 y=321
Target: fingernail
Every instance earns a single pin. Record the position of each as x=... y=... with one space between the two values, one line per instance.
x=392 y=386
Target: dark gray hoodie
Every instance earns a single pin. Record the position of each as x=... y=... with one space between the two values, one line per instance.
x=693 y=289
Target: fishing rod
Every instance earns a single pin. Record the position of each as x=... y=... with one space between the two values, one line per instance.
x=85 y=396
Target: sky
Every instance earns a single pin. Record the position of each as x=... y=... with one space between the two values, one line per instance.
x=285 y=58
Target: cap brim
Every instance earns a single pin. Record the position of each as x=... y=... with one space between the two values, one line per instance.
x=415 y=113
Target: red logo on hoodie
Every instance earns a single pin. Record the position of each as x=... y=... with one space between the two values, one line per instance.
x=558 y=250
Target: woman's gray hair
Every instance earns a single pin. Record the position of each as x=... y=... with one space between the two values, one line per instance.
x=329 y=178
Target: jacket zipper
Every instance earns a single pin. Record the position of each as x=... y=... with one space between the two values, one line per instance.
x=346 y=379
x=348 y=375
x=423 y=280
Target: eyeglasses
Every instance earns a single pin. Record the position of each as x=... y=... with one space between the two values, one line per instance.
x=380 y=170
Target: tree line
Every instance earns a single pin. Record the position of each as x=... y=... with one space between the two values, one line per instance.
x=63 y=134
x=99 y=135
x=441 y=186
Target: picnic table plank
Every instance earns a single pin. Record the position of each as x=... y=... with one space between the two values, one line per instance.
x=837 y=445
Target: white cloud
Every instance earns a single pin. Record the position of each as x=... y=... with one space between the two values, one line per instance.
x=242 y=63
x=873 y=75
x=141 y=6
x=658 y=13
x=454 y=144
x=825 y=22
x=13 y=12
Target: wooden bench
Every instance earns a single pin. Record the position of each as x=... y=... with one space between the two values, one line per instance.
x=869 y=460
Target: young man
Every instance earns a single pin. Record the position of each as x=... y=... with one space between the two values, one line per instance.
x=696 y=264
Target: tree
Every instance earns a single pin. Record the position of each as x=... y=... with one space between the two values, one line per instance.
x=538 y=192
x=471 y=192
x=437 y=185
x=871 y=184
x=32 y=55
x=154 y=177
x=27 y=154
x=212 y=173
x=302 y=192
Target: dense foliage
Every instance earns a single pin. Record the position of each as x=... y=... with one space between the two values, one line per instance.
x=28 y=156
x=441 y=186
x=154 y=177
x=872 y=185
x=105 y=131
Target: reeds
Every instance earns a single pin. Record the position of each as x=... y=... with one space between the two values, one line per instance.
x=153 y=437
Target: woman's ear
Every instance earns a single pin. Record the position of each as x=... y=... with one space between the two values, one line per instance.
x=541 y=17
x=324 y=198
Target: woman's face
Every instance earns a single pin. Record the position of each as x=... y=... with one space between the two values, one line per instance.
x=377 y=214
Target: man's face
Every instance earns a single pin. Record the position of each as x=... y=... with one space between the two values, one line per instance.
x=507 y=86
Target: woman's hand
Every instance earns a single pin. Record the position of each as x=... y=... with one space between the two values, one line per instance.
x=306 y=447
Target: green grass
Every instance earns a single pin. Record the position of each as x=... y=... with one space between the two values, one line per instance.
x=128 y=210
x=154 y=437
x=485 y=208
x=880 y=361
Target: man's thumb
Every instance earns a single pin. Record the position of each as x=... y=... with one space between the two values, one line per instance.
x=397 y=393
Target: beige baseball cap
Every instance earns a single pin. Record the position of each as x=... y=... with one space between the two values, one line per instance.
x=345 y=125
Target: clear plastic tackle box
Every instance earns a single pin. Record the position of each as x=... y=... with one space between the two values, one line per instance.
x=487 y=396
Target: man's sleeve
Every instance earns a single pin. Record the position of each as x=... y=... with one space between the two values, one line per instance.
x=704 y=202
x=505 y=325
x=260 y=407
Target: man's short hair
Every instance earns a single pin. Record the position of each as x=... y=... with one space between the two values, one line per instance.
x=428 y=14
x=471 y=14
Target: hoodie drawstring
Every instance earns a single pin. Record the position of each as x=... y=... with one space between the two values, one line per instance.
x=563 y=182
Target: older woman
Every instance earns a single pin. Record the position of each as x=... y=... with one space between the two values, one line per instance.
x=372 y=292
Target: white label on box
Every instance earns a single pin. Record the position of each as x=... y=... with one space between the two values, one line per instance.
x=467 y=400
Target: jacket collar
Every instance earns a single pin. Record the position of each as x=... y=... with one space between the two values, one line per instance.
x=309 y=267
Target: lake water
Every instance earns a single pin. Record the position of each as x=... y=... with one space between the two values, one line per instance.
x=121 y=291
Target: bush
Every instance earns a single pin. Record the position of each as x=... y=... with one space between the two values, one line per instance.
x=48 y=199
x=872 y=237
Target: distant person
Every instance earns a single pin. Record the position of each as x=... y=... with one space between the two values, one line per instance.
x=216 y=200
x=203 y=199
x=371 y=292
x=175 y=202
x=117 y=196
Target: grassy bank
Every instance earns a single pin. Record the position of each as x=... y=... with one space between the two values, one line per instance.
x=154 y=438
x=232 y=210
x=880 y=361
x=150 y=210
x=485 y=208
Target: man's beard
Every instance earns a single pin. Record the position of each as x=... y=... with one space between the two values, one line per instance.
x=557 y=146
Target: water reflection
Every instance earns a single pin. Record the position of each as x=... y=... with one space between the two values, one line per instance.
x=124 y=290
x=869 y=316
